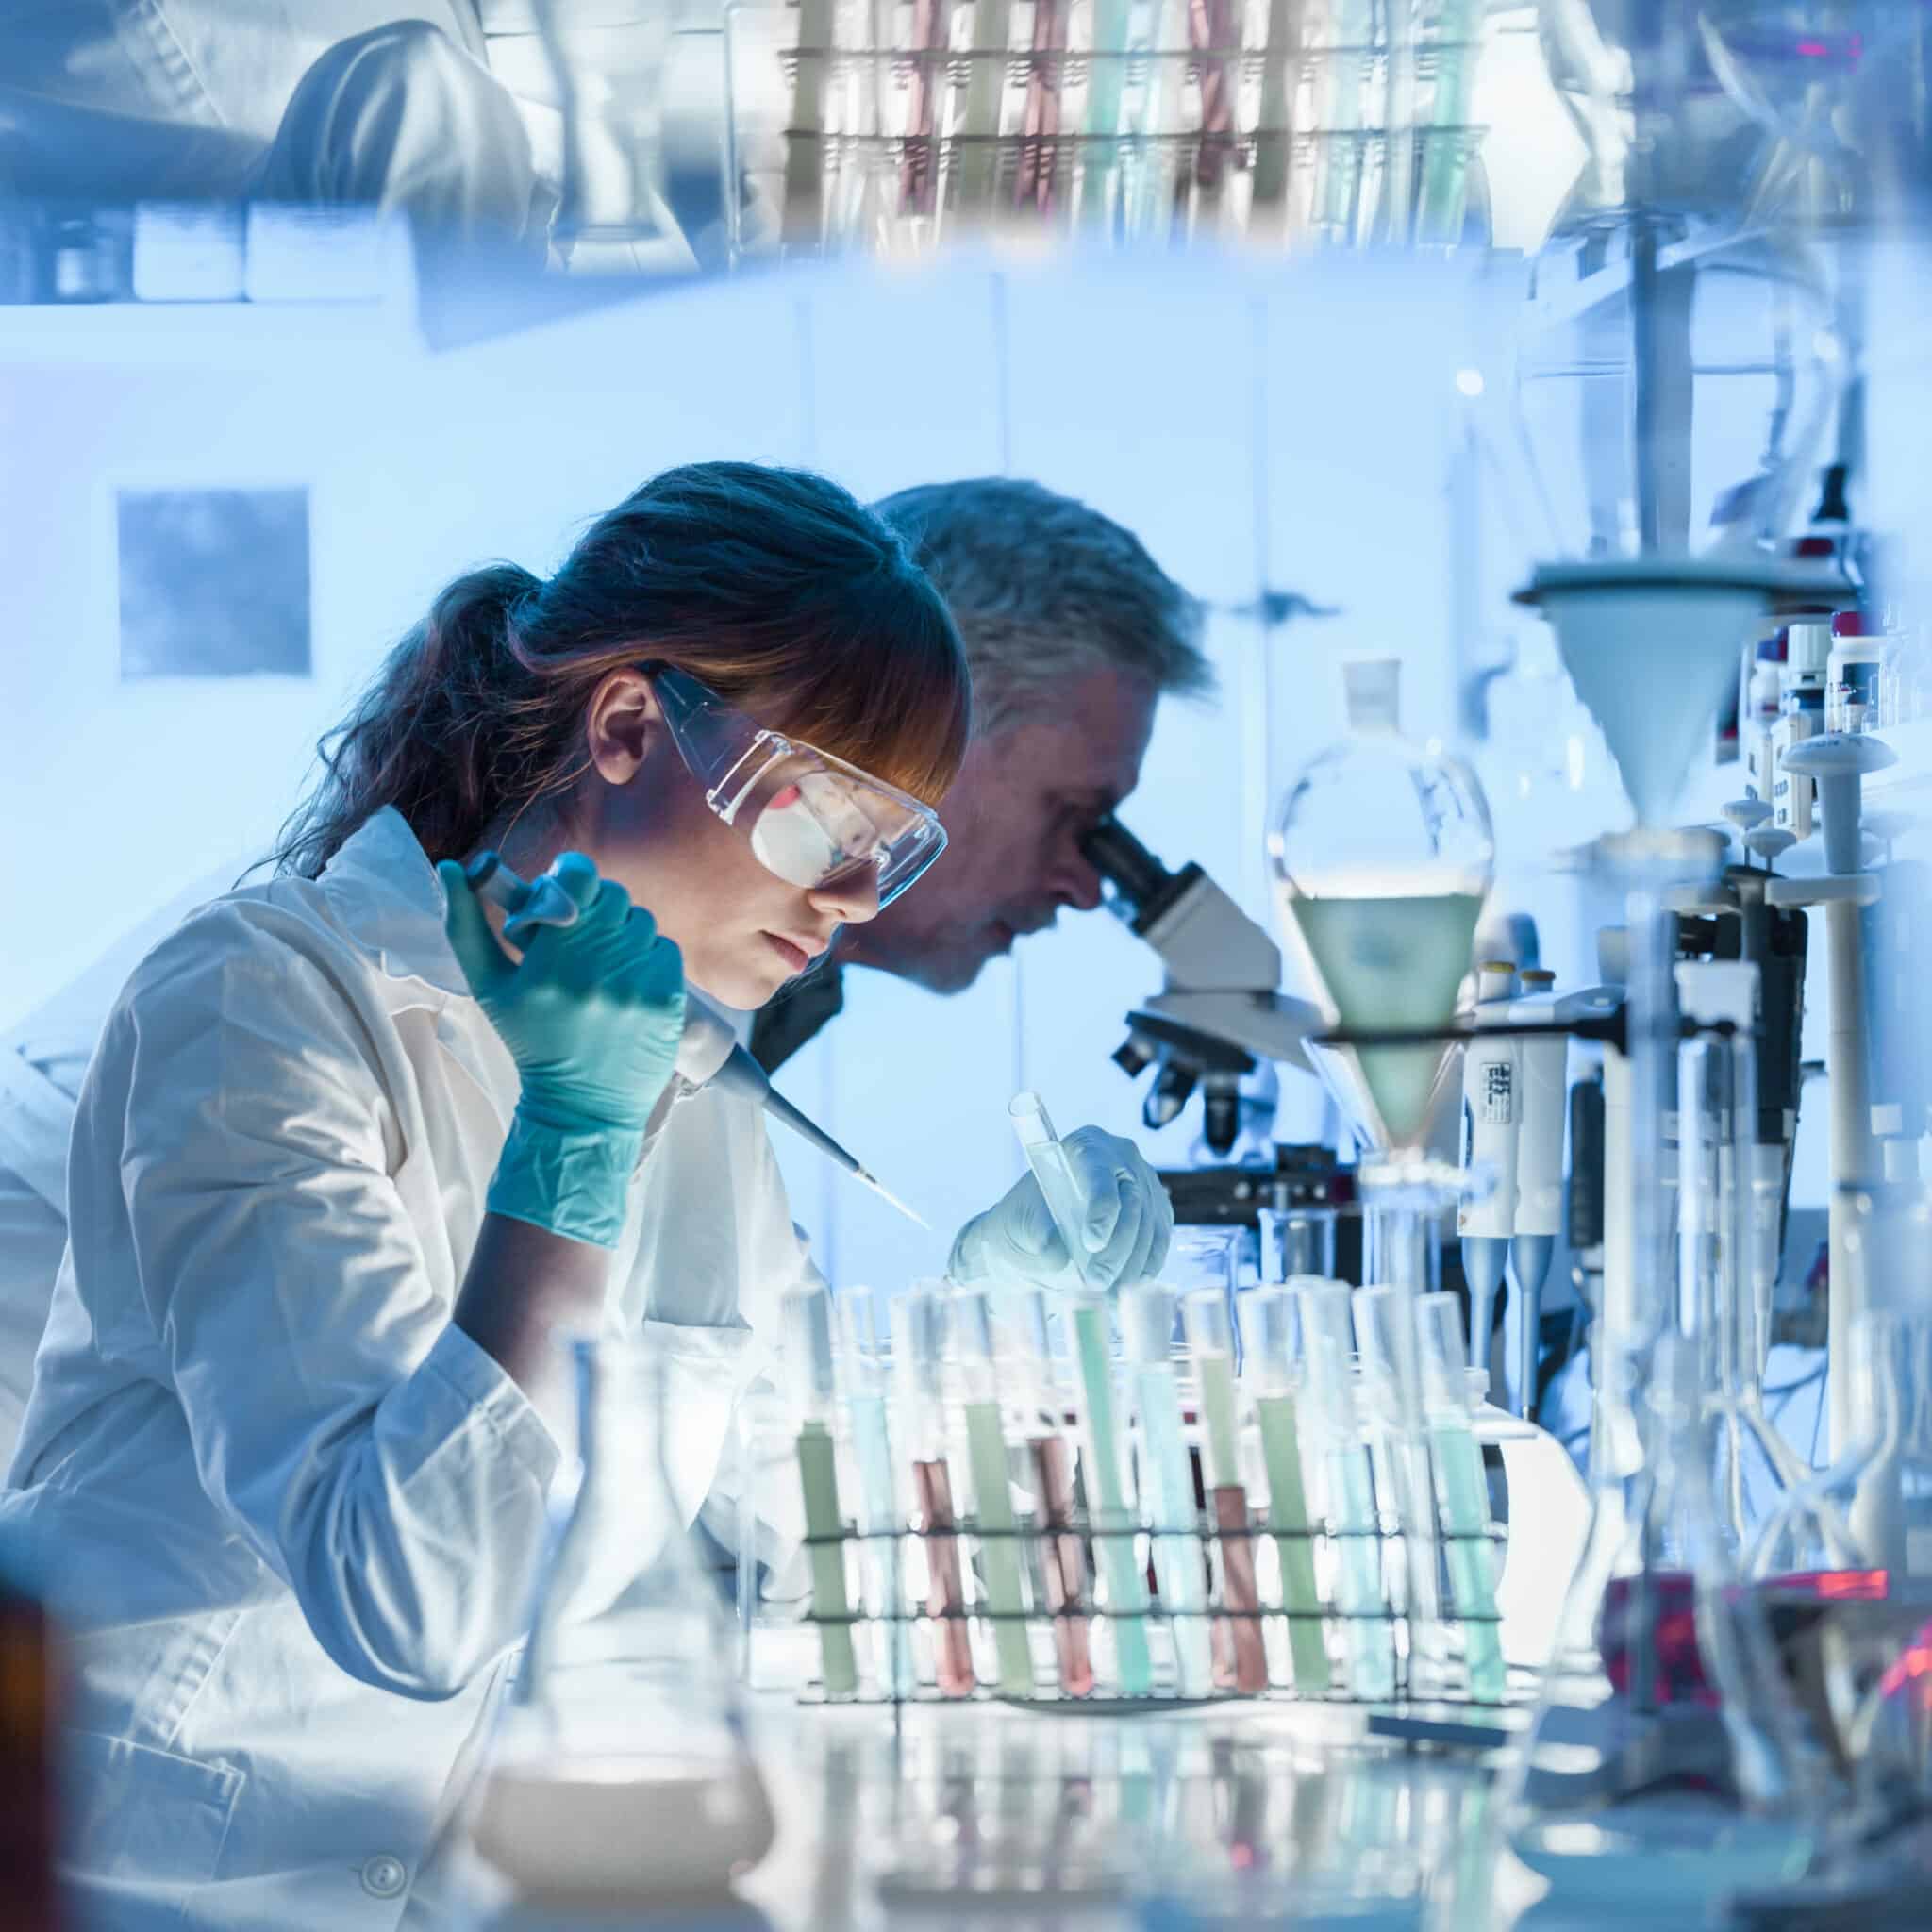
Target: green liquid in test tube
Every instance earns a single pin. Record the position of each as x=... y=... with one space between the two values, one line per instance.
x=1329 y=1396
x=1463 y=1493
x=1269 y=1331
x=970 y=1320
x=1109 y=1503
x=1054 y=1173
x=872 y=1450
x=1167 y=1479
x=808 y=1317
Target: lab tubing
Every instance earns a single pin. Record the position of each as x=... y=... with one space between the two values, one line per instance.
x=1147 y=1321
x=1108 y=1502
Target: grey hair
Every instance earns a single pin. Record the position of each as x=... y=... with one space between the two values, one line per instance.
x=1044 y=590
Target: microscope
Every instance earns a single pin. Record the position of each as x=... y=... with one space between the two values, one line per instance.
x=1218 y=1015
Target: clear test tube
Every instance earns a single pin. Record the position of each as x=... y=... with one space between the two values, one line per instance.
x=1462 y=1492
x=1054 y=1173
x=1271 y=1364
x=808 y=1323
x=1110 y=1499
x=1296 y=1244
x=1063 y=1560
x=879 y=1493
x=969 y=1321
x=1167 y=1482
x=1210 y=1338
x=1381 y=1412
x=917 y=1343
x=1333 y=1422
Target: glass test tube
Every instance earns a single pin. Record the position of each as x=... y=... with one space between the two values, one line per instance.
x=1329 y=1400
x=1211 y=1336
x=878 y=1516
x=916 y=1358
x=807 y=1321
x=1269 y=1364
x=1380 y=1411
x=970 y=1323
x=1054 y=1173
x=1167 y=1476
x=1062 y=1561
x=1462 y=1492
x=1110 y=1500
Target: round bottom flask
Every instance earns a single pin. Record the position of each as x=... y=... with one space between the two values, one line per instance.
x=620 y=1774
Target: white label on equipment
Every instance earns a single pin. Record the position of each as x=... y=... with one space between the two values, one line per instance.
x=1498 y=1096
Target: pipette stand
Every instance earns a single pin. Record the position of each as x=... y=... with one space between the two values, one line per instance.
x=1837 y=763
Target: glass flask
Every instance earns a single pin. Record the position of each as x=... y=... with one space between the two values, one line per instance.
x=1673 y=1742
x=619 y=1772
x=1845 y=1566
x=1382 y=856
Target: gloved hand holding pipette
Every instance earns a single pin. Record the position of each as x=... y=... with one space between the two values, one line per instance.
x=1092 y=1202
x=592 y=1015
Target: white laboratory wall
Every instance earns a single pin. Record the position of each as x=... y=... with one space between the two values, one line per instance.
x=1283 y=428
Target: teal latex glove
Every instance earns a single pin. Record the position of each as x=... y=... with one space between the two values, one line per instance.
x=592 y=1015
x=1128 y=1221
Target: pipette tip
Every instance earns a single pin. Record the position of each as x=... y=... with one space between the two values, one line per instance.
x=885 y=1193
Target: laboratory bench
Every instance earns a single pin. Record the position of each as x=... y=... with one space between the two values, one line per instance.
x=1236 y=1816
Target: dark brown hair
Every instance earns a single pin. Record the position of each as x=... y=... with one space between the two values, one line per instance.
x=774 y=587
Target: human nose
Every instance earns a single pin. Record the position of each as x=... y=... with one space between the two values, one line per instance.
x=1074 y=881
x=851 y=900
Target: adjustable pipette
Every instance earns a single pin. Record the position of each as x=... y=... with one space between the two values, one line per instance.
x=709 y=1053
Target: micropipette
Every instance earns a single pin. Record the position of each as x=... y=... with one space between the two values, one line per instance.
x=1054 y=1173
x=709 y=1053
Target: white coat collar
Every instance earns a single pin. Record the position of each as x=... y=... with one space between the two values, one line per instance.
x=386 y=893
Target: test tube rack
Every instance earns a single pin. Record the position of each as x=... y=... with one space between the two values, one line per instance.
x=1461 y=1710
x=1352 y=130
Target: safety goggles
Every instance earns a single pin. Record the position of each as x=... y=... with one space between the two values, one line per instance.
x=812 y=820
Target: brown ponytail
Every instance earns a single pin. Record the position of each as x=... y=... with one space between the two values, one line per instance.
x=773 y=586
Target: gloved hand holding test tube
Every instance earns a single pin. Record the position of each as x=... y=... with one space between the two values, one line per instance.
x=709 y=1053
x=1091 y=1195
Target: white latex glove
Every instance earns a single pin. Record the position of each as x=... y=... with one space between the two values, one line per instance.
x=1128 y=1220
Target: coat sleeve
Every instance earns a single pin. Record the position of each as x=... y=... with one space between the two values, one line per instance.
x=378 y=1460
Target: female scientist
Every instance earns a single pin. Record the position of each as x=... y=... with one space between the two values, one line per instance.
x=343 y=1162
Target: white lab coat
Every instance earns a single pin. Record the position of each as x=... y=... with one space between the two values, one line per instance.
x=285 y=1511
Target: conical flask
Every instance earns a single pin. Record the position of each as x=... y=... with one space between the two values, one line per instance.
x=1846 y=1564
x=1676 y=1695
x=619 y=1772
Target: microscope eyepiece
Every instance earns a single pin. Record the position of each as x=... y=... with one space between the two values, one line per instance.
x=1144 y=886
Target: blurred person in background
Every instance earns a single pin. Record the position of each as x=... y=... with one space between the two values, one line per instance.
x=316 y=101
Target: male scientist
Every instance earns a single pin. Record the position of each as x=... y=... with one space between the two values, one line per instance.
x=1072 y=633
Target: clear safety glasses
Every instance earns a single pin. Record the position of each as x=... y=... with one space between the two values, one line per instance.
x=811 y=819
